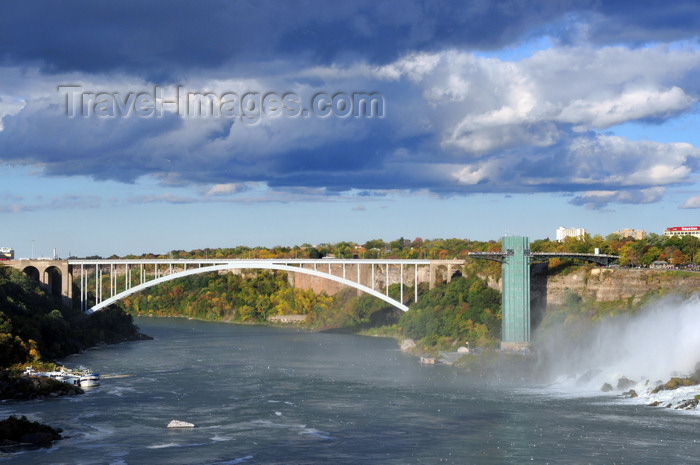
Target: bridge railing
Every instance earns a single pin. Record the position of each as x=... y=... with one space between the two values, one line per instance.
x=603 y=259
x=145 y=270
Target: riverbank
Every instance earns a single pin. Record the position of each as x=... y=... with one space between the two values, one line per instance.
x=16 y=387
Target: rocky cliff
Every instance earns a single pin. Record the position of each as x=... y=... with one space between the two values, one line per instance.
x=547 y=288
x=374 y=279
x=606 y=284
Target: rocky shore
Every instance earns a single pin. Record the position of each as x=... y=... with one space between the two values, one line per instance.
x=13 y=387
x=679 y=392
x=19 y=431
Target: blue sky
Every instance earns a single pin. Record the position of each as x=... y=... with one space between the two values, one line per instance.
x=497 y=118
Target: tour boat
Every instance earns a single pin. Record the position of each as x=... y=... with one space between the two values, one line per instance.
x=83 y=377
x=89 y=379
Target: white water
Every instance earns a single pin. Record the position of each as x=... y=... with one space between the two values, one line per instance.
x=657 y=343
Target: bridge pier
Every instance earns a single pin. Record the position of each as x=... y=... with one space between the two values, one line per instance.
x=515 y=306
x=449 y=270
x=515 y=258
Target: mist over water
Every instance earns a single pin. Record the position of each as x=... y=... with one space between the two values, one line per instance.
x=660 y=341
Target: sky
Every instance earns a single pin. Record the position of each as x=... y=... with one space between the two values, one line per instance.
x=132 y=127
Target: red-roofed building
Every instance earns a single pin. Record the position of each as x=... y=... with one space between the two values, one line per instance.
x=683 y=231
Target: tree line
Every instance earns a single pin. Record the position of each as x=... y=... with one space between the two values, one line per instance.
x=675 y=250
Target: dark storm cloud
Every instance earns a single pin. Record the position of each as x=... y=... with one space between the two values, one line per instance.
x=163 y=40
x=633 y=21
x=104 y=149
x=455 y=122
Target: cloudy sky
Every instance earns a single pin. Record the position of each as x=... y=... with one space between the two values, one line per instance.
x=486 y=118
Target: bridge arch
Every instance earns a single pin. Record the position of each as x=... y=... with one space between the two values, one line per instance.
x=53 y=280
x=32 y=272
x=232 y=266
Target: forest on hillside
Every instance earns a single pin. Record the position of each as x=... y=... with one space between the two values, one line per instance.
x=35 y=327
x=247 y=297
x=254 y=297
x=463 y=310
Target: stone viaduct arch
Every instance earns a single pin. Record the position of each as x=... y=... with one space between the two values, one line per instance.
x=33 y=273
x=52 y=280
x=55 y=276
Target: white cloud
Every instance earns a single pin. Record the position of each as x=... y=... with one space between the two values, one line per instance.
x=224 y=189
x=455 y=122
x=485 y=104
x=629 y=105
x=475 y=173
x=414 y=66
x=66 y=201
x=617 y=161
x=692 y=202
x=599 y=199
x=10 y=106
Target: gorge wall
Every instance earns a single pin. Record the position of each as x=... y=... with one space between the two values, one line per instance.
x=608 y=284
x=547 y=289
x=375 y=279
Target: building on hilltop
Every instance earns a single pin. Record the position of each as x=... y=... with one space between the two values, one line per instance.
x=7 y=253
x=633 y=233
x=563 y=233
x=683 y=231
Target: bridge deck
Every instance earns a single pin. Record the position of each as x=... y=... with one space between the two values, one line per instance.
x=532 y=256
x=364 y=274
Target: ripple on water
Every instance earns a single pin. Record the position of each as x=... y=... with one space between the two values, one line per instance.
x=235 y=461
x=218 y=438
x=174 y=444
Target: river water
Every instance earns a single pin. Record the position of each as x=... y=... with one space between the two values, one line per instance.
x=262 y=395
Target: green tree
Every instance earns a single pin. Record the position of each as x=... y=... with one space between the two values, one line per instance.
x=651 y=255
x=629 y=256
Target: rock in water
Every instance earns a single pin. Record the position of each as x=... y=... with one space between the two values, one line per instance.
x=675 y=383
x=180 y=424
x=588 y=376
x=606 y=387
x=37 y=438
x=625 y=383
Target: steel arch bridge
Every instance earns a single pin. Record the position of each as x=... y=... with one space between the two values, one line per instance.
x=370 y=276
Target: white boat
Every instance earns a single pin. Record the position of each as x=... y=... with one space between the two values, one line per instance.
x=83 y=377
x=86 y=377
x=89 y=379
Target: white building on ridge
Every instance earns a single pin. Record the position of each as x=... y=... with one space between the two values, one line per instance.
x=563 y=233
